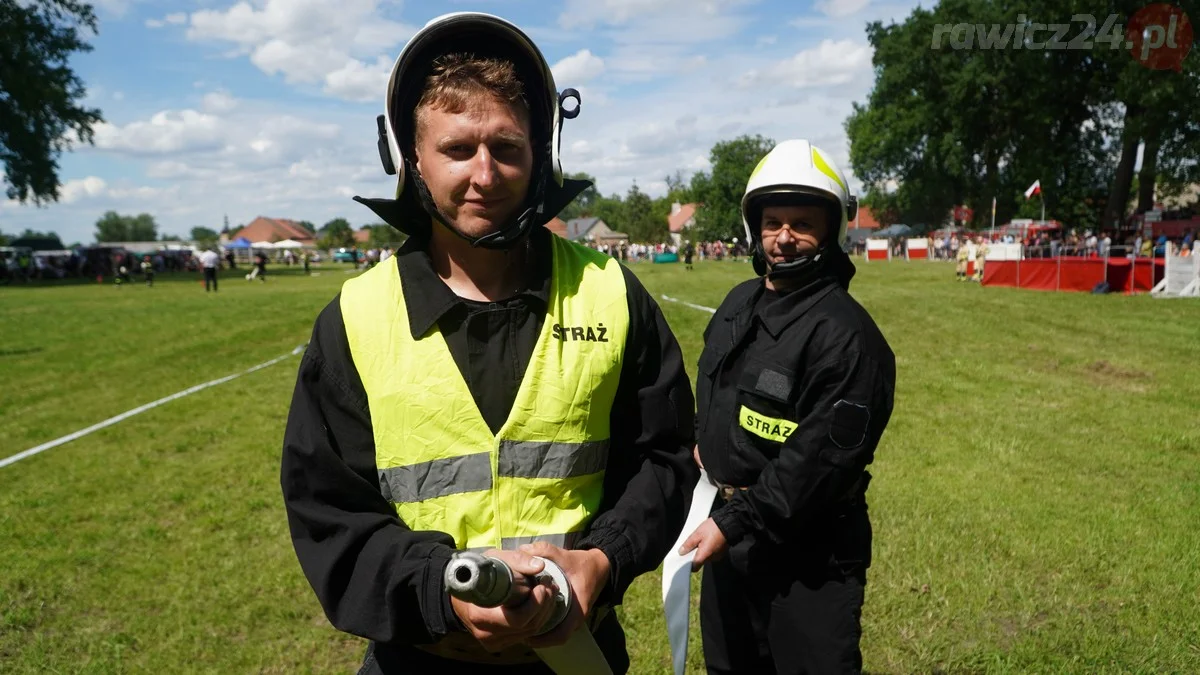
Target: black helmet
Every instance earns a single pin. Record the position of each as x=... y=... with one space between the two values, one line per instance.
x=483 y=35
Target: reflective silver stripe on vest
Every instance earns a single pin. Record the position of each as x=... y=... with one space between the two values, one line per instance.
x=530 y=459
x=436 y=478
x=566 y=541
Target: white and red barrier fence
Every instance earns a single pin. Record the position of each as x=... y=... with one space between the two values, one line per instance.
x=878 y=249
x=917 y=249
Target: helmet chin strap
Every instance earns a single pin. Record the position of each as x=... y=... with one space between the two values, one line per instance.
x=507 y=235
x=801 y=267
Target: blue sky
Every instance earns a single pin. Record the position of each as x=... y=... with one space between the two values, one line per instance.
x=266 y=107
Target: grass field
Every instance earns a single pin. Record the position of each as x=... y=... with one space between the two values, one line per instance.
x=1036 y=500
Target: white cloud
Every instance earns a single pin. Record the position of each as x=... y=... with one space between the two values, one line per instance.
x=116 y=7
x=577 y=68
x=178 y=18
x=841 y=8
x=357 y=81
x=83 y=188
x=168 y=131
x=587 y=13
x=308 y=41
x=155 y=23
x=218 y=102
x=829 y=63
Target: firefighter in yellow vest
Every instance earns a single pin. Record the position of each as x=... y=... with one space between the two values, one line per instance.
x=961 y=259
x=981 y=250
x=490 y=387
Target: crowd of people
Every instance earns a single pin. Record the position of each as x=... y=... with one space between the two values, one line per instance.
x=687 y=250
x=1086 y=244
x=23 y=266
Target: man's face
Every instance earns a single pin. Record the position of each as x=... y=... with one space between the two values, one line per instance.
x=477 y=163
x=789 y=232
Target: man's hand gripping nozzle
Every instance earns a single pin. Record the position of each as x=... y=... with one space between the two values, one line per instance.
x=489 y=582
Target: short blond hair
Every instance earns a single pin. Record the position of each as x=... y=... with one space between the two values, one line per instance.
x=457 y=81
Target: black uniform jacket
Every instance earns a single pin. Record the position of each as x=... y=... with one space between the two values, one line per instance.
x=793 y=394
x=377 y=578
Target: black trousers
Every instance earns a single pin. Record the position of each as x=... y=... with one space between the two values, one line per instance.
x=765 y=609
x=210 y=275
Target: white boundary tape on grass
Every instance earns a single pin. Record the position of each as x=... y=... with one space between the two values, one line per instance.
x=140 y=409
x=702 y=308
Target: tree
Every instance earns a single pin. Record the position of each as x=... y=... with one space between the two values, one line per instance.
x=337 y=233
x=584 y=205
x=204 y=236
x=639 y=219
x=169 y=237
x=721 y=190
x=678 y=189
x=143 y=228
x=113 y=226
x=41 y=241
x=40 y=111
x=611 y=210
x=383 y=235
x=953 y=125
x=308 y=226
x=3 y=239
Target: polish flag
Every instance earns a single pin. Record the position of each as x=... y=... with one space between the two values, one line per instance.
x=1034 y=189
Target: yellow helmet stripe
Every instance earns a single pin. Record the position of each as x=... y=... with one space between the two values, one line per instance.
x=758 y=167
x=824 y=168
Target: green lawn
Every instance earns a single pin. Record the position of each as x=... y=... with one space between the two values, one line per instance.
x=1036 y=502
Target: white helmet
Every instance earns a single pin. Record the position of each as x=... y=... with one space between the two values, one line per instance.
x=484 y=35
x=796 y=167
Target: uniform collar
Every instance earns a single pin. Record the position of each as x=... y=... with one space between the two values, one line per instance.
x=790 y=306
x=428 y=298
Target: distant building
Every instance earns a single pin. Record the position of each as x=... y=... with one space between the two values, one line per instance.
x=593 y=230
x=865 y=220
x=681 y=218
x=275 y=229
x=557 y=226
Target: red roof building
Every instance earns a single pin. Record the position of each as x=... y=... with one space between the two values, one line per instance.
x=864 y=221
x=275 y=229
x=682 y=216
x=557 y=226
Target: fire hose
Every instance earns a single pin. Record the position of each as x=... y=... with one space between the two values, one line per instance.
x=489 y=582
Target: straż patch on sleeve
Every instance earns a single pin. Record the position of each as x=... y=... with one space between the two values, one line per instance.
x=848 y=429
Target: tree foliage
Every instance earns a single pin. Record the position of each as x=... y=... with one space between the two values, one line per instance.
x=337 y=233
x=43 y=241
x=204 y=236
x=961 y=124
x=720 y=190
x=382 y=234
x=640 y=219
x=584 y=205
x=40 y=96
x=113 y=226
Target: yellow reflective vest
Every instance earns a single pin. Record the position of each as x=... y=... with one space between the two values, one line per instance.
x=541 y=477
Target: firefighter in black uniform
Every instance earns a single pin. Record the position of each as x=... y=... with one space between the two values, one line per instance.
x=490 y=386
x=794 y=391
